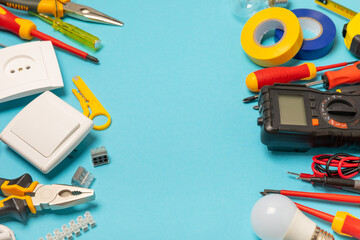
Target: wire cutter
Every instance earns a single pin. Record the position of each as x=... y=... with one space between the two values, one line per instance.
x=25 y=196
x=59 y=8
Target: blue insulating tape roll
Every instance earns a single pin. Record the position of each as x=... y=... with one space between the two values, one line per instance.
x=317 y=22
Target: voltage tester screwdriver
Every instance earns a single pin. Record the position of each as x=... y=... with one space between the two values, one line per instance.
x=269 y=76
x=26 y=29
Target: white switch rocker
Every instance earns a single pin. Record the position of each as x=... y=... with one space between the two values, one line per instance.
x=46 y=131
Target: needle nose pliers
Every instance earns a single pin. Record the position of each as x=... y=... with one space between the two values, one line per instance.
x=23 y=196
x=59 y=8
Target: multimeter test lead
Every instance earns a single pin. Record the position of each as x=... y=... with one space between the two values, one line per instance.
x=339 y=165
x=339 y=183
x=269 y=76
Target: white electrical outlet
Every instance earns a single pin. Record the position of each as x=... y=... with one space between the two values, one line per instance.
x=27 y=69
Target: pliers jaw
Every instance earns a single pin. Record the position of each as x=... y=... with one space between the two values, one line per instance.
x=57 y=196
x=89 y=14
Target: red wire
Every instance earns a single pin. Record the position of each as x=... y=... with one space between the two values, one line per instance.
x=58 y=43
x=339 y=164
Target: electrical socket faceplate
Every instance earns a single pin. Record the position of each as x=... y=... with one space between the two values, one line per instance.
x=27 y=69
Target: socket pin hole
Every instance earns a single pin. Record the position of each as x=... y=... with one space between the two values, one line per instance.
x=28 y=67
x=20 y=69
x=12 y=71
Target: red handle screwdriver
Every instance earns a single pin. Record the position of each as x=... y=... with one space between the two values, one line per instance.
x=346 y=76
x=343 y=223
x=268 y=76
x=322 y=196
x=26 y=29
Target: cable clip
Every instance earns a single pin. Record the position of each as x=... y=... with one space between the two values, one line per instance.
x=88 y=102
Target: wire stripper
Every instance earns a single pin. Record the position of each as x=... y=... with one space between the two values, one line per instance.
x=88 y=102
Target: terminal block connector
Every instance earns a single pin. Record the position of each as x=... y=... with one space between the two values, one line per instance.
x=99 y=156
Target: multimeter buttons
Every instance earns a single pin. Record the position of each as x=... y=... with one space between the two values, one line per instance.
x=338 y=111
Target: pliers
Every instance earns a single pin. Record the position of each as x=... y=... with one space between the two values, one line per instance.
x=59 y=8
x=25 y=196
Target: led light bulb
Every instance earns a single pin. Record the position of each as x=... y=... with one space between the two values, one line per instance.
x=244 y=9
x=276 y=217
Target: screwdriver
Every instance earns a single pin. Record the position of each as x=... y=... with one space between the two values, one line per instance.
x=26 y=29
x=268 y=76
x=346 y=76
x=343 y=223
x=71 y=31
x=314 y=195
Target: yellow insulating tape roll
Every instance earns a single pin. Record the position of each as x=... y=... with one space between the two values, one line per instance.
x=261 y=23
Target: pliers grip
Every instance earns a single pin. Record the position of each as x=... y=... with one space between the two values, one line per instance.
x=39 y=6
x=17 y=207
x=17 y=204
x=18 y=186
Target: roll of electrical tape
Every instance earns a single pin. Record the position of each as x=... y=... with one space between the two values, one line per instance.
x=261 y=23
x=323 y=28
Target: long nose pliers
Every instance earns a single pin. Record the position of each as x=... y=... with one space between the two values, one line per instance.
x=60 y=8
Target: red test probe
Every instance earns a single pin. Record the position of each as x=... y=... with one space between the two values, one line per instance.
x=268 y=76
x=347 y=76
x=26 y=29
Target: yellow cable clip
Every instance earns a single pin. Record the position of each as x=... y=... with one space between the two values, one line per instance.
x=88 y=101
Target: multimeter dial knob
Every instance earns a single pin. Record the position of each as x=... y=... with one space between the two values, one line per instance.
x=341 y=110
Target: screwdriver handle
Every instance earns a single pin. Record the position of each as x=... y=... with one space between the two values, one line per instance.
x=346 y=224
x=346 y=76
x=17 y=207
x=268 y=76
x=18 y=186
x=20 y=27
x=39 y=6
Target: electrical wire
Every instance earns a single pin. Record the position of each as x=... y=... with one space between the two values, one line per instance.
x=6 y=233
x=346 y=165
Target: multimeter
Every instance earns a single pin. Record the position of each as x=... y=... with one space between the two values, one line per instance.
x=294 y=117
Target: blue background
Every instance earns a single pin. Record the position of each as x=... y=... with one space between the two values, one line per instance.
x=186 y=157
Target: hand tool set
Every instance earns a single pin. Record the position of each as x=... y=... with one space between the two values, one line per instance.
x=48 y=129
x=295 y=117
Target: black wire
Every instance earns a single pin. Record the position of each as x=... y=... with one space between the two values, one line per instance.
x=337 y=157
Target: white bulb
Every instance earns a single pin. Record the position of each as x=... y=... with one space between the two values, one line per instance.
x=276 y=217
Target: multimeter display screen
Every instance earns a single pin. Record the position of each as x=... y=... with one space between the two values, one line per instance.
x=292 y=110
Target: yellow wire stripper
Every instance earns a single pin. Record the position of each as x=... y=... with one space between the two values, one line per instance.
x=88 y=102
